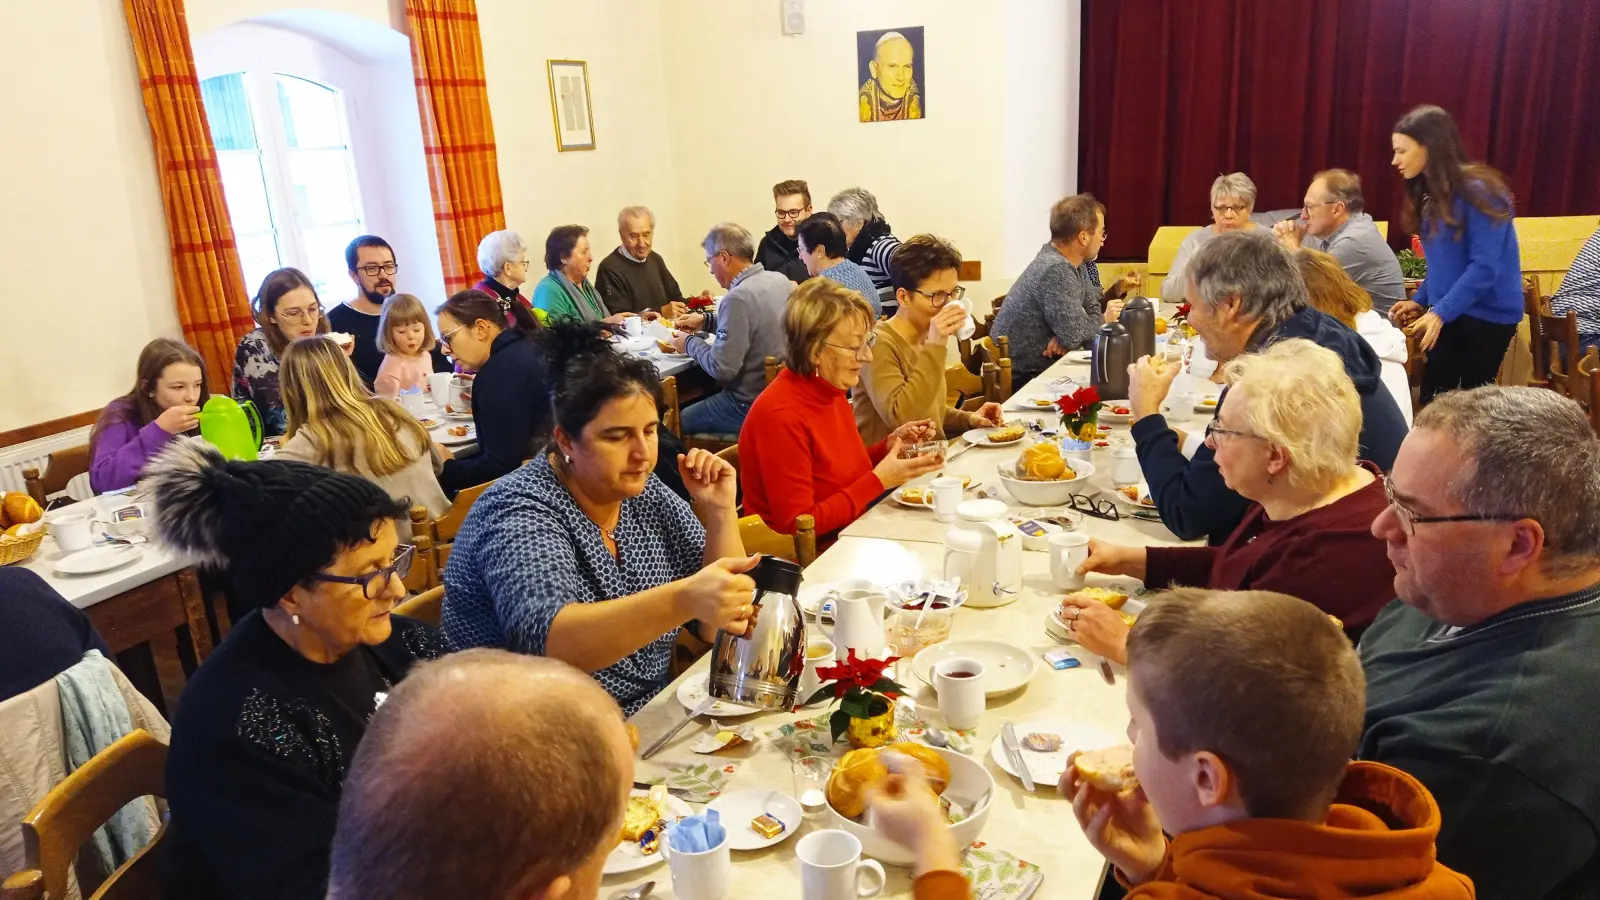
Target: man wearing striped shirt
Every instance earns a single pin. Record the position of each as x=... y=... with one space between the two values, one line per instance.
x=1580 y=292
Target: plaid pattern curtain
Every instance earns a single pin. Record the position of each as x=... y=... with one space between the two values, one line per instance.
x=213 y=302
x=457 y=134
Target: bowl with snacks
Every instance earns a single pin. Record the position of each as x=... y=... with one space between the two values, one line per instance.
x=964 y=788
x=1041 y=476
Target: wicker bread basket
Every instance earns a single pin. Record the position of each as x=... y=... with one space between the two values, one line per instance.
x=17 y=549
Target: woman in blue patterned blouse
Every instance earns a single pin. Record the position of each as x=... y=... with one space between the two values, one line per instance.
x=583 y=554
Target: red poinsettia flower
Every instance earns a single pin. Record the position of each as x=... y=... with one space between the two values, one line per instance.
x=855 y=673
x=1076 y=402
x=701 y=302
x=1182 y=312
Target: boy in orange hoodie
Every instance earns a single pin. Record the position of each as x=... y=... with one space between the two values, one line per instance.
x=1245 y=709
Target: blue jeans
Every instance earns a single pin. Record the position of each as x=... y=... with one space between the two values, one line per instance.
x=719 y=413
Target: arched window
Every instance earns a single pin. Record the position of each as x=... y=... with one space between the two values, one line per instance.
x=283 y=147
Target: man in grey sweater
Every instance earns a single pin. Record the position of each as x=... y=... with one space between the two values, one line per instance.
x=1481 y=678
x=1333 y=221
x=1053 y=307
x=749 y=329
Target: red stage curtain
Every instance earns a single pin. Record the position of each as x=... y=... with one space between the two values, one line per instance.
x=1176 y=92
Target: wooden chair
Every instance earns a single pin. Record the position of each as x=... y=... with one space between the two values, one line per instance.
x=442 y=531
x=1534 y=306
x=422 y=575
x=1592 y=363
x=1562 y=351
x=424 y=607
x=961 y=385
x=773 y=367
x=68 y=816
x=996 y=383
x=60 y=467
x=671 y=415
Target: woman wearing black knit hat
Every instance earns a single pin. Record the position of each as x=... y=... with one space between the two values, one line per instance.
x=269 y=724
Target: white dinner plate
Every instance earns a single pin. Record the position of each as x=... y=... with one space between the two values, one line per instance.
x=1121 y=499
x=459 y=416
x=96 y=559
x=738 y=808
x=1205 y=407
x=1006 y=668
x=628 y=857
x=443 y=436
x=1080 y=356
x=1115 y=418
x=1046 y=768
x=979 y=437
x=693 y=690
x=1031 y=404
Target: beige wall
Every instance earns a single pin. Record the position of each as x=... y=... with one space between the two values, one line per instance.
x=699 y=106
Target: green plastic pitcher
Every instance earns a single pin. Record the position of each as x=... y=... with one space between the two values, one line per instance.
x=224 y=423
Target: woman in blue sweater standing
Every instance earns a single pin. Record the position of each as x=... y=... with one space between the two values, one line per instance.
x=1467 y=309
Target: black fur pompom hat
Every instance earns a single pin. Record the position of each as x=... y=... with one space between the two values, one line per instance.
x=268 y=524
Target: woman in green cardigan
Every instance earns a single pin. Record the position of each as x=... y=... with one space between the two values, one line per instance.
x=566 y=291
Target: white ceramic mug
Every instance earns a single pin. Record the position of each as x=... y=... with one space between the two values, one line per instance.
x=1125 y=466
x=73 y=532
x=699 y=876
x=1067 y=551
x=1180 y=406
x=633 y=325
x=439 y=386
x=413 y=402
x=809 y=682
x=970 y=326
x=831 y=867
x=946 y=490
x=959 y=683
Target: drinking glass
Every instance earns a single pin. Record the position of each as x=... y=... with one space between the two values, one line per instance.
x=811 y=781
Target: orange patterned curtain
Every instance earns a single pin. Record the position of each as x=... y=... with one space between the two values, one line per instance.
x=457 y=134
x=213 y=304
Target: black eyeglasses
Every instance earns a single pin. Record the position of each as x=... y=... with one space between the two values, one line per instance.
x=1094 y=506
x=942 y=299
x=1213 y=430
x=790 y=214
x=373 y=584
x=865 y=348
x=1411 y=520
x=374 y=269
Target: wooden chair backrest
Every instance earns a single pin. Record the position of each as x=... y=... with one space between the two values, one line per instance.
x=1562 y=351
x=773 y=367
x=1589 y=367
x=671 y=414
x=424 y=607
x=1416 y=360
x=422 y=575
x=60 y=467
x=994 y=349
x=961 y=385
x=801 y=547
x=1535 y=306
x=55 y=829
x=442 y=531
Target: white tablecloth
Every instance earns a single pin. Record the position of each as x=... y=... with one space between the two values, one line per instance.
x=889 y=544
x=84 y=591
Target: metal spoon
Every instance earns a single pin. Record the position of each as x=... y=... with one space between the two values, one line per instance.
x=638 y=893
x=935 y=737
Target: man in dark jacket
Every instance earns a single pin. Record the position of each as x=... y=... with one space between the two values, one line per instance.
x=1481 y=679
x=1244 y=293
x=779 y=250
x=41 y=634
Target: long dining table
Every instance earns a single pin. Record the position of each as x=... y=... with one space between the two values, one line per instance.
x=891 y=544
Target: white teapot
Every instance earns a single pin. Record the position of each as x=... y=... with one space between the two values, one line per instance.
x=985 y=552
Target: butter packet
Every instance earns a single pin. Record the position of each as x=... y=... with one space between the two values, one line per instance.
x=720 y=737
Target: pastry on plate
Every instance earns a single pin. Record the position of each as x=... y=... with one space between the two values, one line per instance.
x=666 y=347
x=1005 y=434
x=1112 y=598
x=1041 y=742
x=1109 y=770
x=642 y=815
x=913 y=495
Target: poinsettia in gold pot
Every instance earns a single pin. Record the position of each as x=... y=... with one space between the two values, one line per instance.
x=866 y=696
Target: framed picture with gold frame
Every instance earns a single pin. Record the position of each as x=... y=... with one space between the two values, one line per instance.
x=569 y=104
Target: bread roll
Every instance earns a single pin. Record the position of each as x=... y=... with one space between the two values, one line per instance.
x=935 y=767
x=855 y=772
x=20 y=509
x=1109 y=770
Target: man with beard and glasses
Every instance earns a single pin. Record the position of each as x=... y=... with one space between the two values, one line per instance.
x=372 y=268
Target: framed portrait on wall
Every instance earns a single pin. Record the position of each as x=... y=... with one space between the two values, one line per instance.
x=892 y=72
x=569 y=104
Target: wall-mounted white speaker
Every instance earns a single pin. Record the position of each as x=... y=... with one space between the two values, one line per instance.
x=794 y=16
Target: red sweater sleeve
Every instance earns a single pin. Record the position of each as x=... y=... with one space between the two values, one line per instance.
x=878 y=451
x=1188 y=566
x=941 y=886
x=788 y=484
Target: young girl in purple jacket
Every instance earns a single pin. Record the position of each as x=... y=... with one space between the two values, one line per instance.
x=165 y=401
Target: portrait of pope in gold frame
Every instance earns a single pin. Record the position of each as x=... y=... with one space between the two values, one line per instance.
x=891 y=70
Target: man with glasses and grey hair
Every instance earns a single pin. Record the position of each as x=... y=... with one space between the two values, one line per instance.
x=749 y=329
x=1233 y=204
x=634 y=278
x=1334 y=221
x=1244 y=293
x=871 y=242
x=1481 y=677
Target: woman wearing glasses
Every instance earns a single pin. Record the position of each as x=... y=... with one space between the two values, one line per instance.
x=510 y=393
x=904 y=381
x=271 y=721
x=334 y=423
x=286 y=309
x=1233 y=199
x=799 y=450
x=1286 y=439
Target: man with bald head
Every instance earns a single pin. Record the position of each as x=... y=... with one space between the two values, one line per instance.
x=486 y=774
x=891 y=91
x=634 y=278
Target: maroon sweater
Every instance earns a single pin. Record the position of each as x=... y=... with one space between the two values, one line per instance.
x=1327 y=557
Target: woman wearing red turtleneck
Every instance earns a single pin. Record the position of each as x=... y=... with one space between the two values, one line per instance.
x=799 y=451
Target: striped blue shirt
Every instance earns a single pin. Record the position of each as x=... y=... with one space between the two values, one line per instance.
x=1580 y=291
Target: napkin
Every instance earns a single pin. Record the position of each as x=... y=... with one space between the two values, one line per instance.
x=810 y=737
x=697 y=834
x=695 y=782
x=986 y=867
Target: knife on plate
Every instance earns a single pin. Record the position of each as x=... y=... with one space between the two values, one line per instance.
x=1105 y=671
x=1032 y=885
x=1008 y=739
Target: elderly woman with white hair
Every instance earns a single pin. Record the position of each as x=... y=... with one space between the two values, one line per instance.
x=1286 y=439
x=1233 y=199
x=634 y=278
x=503 y=259
x=871 y=241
